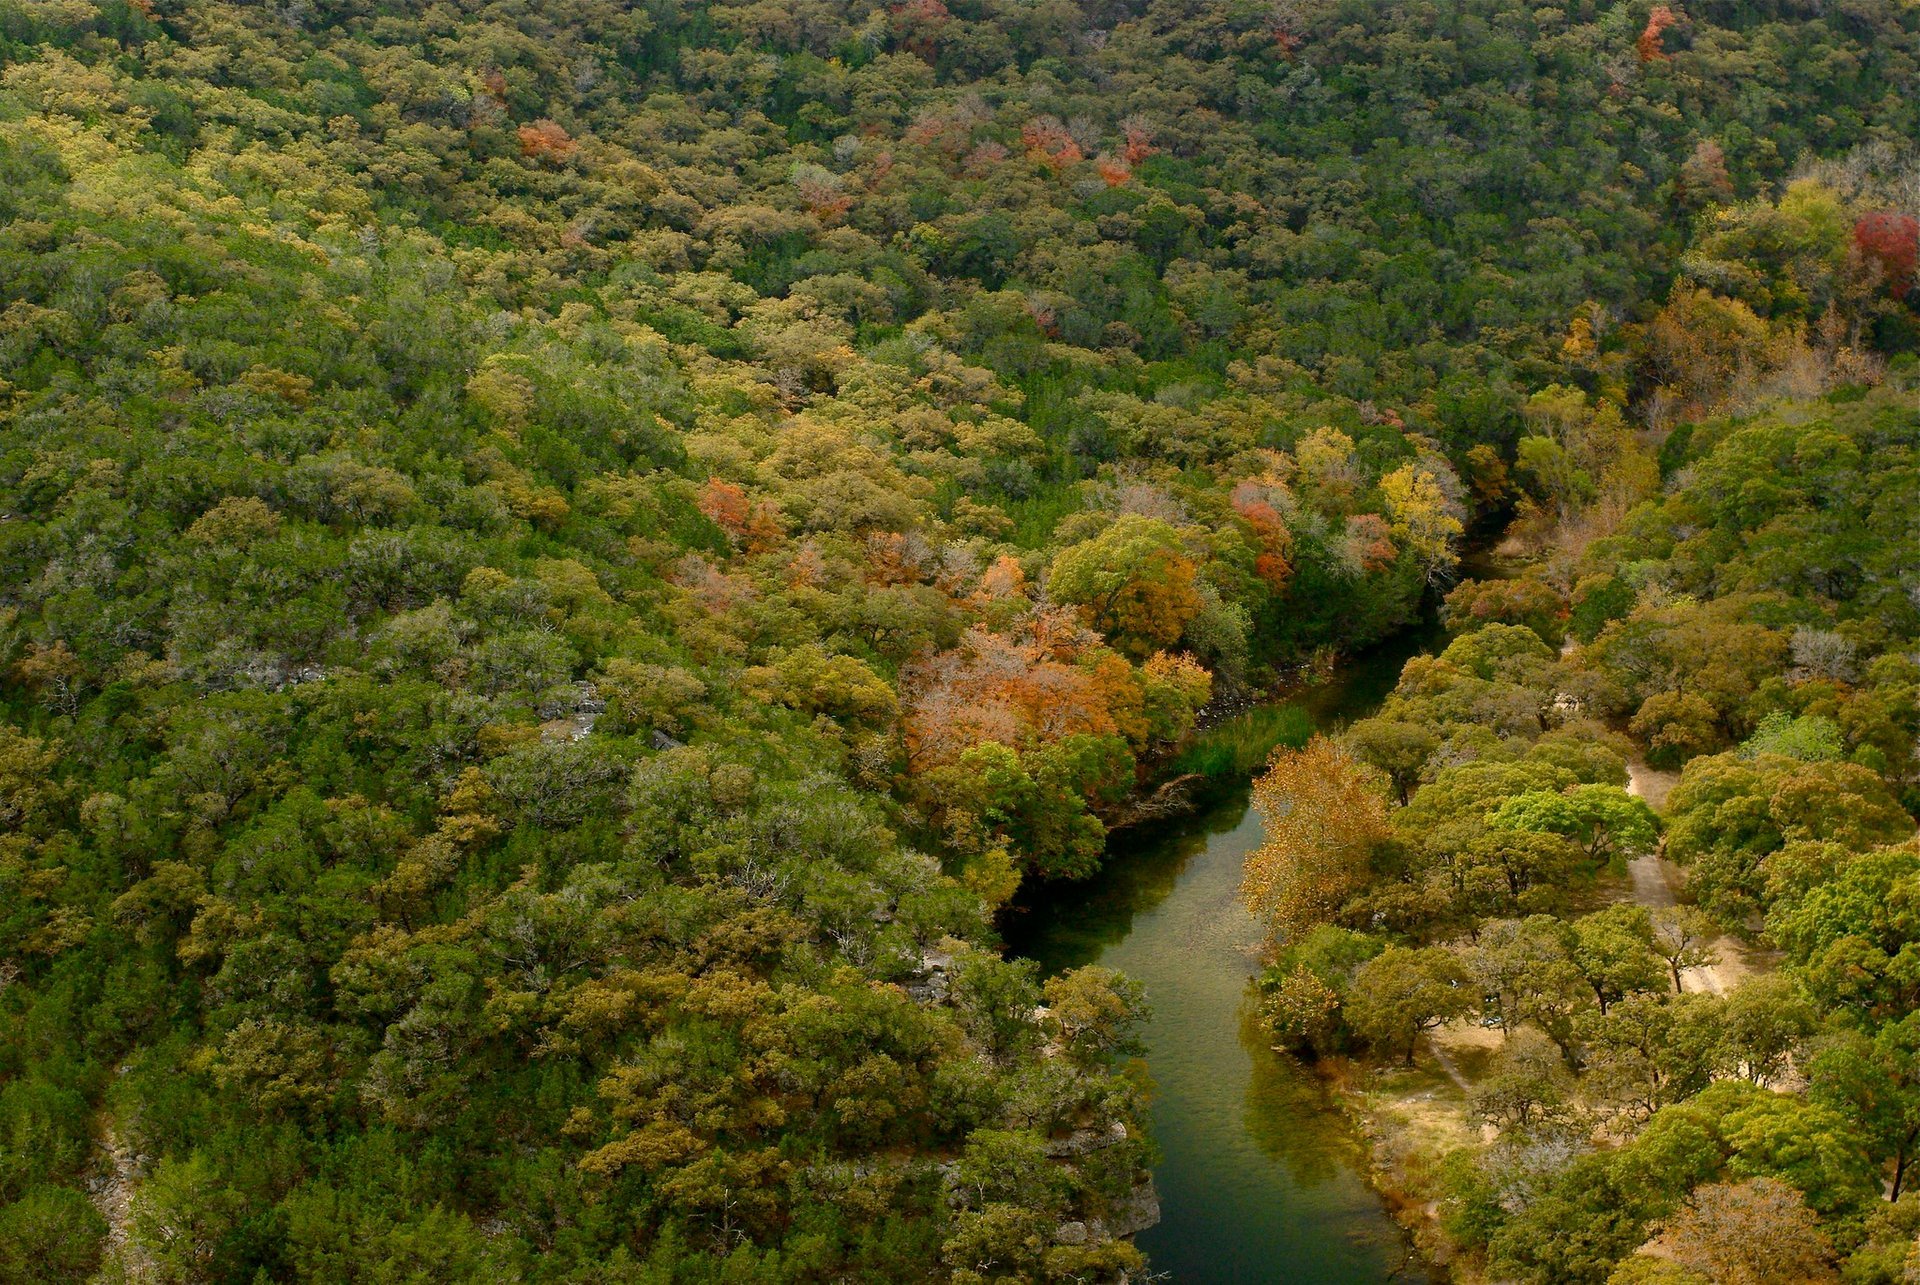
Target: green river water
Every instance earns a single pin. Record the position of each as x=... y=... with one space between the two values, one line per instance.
x=1261 y=1178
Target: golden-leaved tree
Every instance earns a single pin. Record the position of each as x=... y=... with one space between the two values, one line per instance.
x=1324 y=812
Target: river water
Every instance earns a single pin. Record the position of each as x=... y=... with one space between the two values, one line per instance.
x=1261 y=1178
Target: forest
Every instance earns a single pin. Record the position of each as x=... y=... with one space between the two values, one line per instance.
x=1725 y=1088
x=562 y=563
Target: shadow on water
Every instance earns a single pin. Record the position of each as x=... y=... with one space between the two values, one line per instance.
x=1261 y=1179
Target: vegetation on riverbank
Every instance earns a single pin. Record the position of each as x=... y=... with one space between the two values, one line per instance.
x=1234 y=749
x=1599 y=1100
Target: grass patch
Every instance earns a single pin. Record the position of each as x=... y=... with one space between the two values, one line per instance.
x=1238 y=747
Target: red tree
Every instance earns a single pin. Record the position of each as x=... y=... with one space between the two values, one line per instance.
x=1893 y=242
x=1649 y=44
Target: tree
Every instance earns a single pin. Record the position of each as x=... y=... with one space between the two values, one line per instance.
x=1675 y=727
x=1814 y=1147
x=1523 y=600
x=1764 y=1022
x=1035 y=803
x=1855 y=934
x=1396 y=747
x=1586 y=1219
x=1683 y=936
x=182 y=1216
x=1809 y=738
x=1499 y=871
x=1303 y=989
x=1891 y=242
x=1729 y=814
x=1302 y=1010
x=50 y=1233
x=1329 y=470
x=1876 y=1081
x=1134 y=582
x=1648 y=1051
x=1757 y=1232
x=1423 y=519
x=1093 y=1012
x=812 y=680
x=1604 y=820
x=1323 y=812
x=1401 y=992
x=1526 y=972
x=1527 y=1084
x=1613 y=949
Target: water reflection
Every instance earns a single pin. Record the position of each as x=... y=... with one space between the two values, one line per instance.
x=1278 y=1096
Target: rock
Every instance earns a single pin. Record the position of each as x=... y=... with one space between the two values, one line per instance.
x=928 y=983
x=1082 y=1141
x=570 y=713
x=1071 y=1233
x=1137 y=1211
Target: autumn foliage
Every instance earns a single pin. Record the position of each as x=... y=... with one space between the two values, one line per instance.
x=1048 y=142
x=1045 y=680
x=1649 y=45
x=546 y=140
x=917 y=25
x=1324 y=811
x=1138 y=135
x=1892 y=242
x=1134 y=582
x=1257 y=504
x=750 y=524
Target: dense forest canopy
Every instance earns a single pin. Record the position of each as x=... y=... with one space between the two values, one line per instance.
x=562 y=560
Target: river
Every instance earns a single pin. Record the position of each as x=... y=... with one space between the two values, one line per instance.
x=1261 y=1178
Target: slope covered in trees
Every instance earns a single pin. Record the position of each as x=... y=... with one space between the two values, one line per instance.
x=560 y=560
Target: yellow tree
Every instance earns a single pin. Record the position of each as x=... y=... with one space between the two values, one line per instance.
x=1324 y=812
x=1424 y=519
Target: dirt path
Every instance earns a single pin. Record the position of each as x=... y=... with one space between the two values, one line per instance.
x=1650 y=783
x=112 y=1195
x=1438 y=1048
x=1657 y=881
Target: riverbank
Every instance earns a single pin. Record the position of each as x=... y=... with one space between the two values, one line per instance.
x=1412 y=1119
x=1263 y=1175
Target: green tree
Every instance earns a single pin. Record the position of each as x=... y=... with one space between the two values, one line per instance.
x=1604 y=820
x=1683 y=937
x=50 y=1233
x=1613 y=949
x=1401 y=992
x=1875 y=1081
